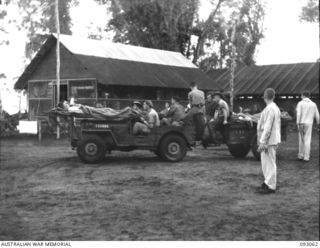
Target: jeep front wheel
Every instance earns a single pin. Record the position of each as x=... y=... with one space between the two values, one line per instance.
x=173 y=148
x=91 y=149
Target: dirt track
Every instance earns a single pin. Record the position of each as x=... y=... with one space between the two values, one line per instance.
x=48 y=194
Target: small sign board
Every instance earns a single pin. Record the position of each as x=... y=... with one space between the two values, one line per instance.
x=30 y=127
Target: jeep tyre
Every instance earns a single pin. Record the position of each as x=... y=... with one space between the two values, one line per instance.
x=173 y=148
x=91 y=149
x=239 y=150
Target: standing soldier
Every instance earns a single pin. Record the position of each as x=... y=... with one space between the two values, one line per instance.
x=196 y=113
x=269 y=136
x=196 y=101
x=307 y=111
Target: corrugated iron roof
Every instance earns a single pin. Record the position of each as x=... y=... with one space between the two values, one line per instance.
x=110 y=50
x=216 y=73
x=118 y=64
x=286 y=79
x=124 y=72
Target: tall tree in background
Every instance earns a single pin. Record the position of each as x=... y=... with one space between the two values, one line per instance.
x=206 y=30
x=249 y=15
x=250 y=30
x=3 y=31
x=39 y=19
x=171 y=25
x=4 y=22
x=310 y=12
x=158 y=24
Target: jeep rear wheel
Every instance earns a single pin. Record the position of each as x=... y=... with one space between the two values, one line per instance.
x=91 y=149
x=239 y=150
x=173 y=148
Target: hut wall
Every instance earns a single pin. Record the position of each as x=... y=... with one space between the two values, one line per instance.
x=256 y=104
x=140 y=92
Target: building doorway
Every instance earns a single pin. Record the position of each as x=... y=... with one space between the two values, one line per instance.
x=63 y=93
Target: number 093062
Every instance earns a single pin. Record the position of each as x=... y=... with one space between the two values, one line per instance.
x=309 y=244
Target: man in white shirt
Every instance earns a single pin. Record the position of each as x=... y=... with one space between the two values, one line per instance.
x=307 y=111
x=269 y=136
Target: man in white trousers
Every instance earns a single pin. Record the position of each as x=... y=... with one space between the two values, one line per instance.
x=269 y=136
x=307 y=111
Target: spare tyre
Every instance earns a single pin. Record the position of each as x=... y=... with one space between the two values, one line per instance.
x=239 y=150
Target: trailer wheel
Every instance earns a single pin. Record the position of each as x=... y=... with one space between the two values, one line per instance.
x=239 y=150
x=173 y=148
x=91 y=149
x=254 y=148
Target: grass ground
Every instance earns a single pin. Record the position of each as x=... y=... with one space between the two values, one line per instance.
x=46 y=193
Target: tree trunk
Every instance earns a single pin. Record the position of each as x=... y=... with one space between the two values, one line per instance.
x=220 y=58
x=233 y=63
x=233 y=66
x=203 y=35
x=196 y=52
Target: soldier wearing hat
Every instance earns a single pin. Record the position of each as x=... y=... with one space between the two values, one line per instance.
x=151 y=120
x=137 y=106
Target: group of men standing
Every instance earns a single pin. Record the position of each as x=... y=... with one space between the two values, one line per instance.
x=216 y=113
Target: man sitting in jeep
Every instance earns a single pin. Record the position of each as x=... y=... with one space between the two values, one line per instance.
x=219 y=119
x=211 y=106
x=175 y=114
x=151 y=120
x=222 y=111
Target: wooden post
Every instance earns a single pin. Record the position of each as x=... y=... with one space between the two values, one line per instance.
x=39 y=131
x=58 y=61
x=58 y=128
x=19 y=104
